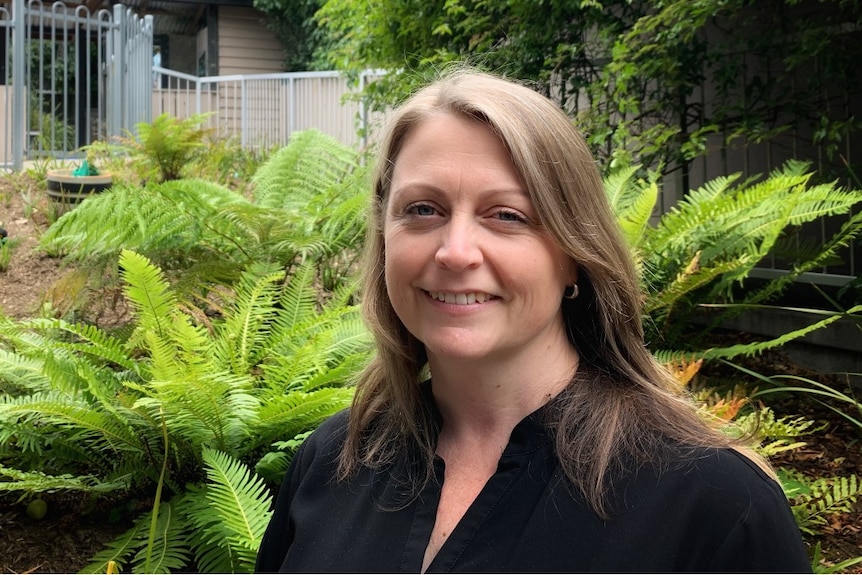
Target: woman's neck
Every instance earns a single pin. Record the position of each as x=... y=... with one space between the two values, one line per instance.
x=490 y=398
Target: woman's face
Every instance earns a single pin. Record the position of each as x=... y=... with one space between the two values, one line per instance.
x=469 y=270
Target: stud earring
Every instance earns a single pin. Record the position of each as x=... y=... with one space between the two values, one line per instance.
x=574 y=293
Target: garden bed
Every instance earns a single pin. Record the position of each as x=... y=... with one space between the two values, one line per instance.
x=71 y=532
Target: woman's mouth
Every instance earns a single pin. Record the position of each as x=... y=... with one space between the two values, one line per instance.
x=460 y=298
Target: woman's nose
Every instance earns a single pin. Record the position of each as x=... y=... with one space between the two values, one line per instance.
x=459 y=247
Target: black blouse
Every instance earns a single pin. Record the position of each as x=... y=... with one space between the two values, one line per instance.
x=712 y=510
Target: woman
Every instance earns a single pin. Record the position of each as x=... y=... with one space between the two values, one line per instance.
x=513 y=419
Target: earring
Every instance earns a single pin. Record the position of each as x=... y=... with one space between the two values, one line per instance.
x=574 y=294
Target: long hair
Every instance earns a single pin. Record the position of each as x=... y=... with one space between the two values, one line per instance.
x=622 y=408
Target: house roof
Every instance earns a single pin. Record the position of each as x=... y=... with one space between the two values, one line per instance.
x=182 y=17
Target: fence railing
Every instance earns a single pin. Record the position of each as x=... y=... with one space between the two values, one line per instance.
x=69 y=76
x=263 y=110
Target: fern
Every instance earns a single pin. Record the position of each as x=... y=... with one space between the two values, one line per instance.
x=813 y=502
x=147 y=291
x=751 y=349
x=712 y=239
x=632 y=201
x=287 y=415
x=301 y=173
x=35 y=481
x=120 y=550
x=249 y=321
x=240 y=506
x=21 y=375
x=170 y=551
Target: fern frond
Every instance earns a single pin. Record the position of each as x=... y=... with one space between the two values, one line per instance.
x=36 y=481
x=290 y=414
x=99 y=430
x=619 y=186
x=147 y=290
x=298 y=299
x=216 y=409
x=170 y=551
x=632 y=201
x=173 y=217
x=21 y=375
x=247 y=325
x=826 y=252
x=95 y=343
x=207 y=535
x=824 y=496
x=120 y=550
x=240 y=504
x=758 y=347
x=304 y=169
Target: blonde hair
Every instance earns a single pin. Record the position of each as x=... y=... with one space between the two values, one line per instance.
x=622 y=408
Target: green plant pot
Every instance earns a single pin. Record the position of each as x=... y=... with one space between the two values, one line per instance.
x=67 y=191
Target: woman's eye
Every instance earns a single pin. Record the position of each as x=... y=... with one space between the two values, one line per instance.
x=510 y=216
x=421 y=210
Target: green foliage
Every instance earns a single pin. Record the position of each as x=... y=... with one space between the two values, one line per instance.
x=164 y=147
x=308 y=204
x=632 y=72
x=772 y=435
x=159 y=151
x=820 y=565
x=85 y=410
x=823 y=394
x=813 y=501
x=703 y=247
x=6 y=247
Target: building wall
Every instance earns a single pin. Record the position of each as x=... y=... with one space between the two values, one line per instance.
x=245 y=45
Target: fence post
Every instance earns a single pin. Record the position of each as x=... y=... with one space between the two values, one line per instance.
x=142 y=81
x=19 y=90
x=291 y=108
x=115 y=102
x=243 y=111
x=363 y=111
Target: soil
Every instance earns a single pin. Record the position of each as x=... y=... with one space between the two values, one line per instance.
x=71 y=532
x=30 y=273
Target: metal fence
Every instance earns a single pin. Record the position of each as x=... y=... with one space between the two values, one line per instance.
x=263 y=110
x=69 y=77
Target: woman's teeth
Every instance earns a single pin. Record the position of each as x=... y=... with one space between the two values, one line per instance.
x=460 y=298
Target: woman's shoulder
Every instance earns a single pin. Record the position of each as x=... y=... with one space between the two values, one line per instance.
x=715 y=483
x=326 y=441
x=721 y=471
x=719 y=510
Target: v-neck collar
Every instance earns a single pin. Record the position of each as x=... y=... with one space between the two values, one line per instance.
x=529 y=438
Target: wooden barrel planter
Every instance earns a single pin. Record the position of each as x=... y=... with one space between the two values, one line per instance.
x=67 y=191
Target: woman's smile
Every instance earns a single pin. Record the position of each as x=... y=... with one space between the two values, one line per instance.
x=467 y=298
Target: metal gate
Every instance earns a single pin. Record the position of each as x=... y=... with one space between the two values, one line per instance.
x=69 y=77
